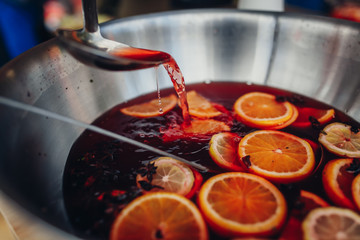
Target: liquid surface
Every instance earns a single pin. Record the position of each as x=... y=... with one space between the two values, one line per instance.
x=99 y=177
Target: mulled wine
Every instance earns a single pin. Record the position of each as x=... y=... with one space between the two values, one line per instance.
x=100 y=173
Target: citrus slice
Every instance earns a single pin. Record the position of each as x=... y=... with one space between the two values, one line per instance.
x=206 y=127
x=287 y=123
x=159 y=216
x=242 y=204
x=339 y=139
x=197 y=183
x=198 y=130
x=315 y=146
x=166 y=174
x=153 y=108
x=223 y=150
x=310 y=201
x=337 y=182
x=261 y=110
x=307 y=115
x=278 y=156
x=306 y=202
x=355 y=191
x=201 y=107
x=331 y=223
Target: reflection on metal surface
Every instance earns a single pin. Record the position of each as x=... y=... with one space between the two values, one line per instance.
x=6 y=230
x=16 y=224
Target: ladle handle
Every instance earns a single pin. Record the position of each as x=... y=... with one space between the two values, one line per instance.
x=90 y=16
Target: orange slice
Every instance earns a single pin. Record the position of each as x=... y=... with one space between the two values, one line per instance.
x=242 y=204
x=261 y=110
x=320 y=115
x=287 y=123
x=159 y=216
x=201 y=107
x=355 y=191
x=206 y=127
x=331 y=223
x=153 y=108
x=223 y=150
x=199 y=130
x=197 y=184
x=337 y=182
x=311 y=201
x=307 y=201
x=339 y=139
x=169 y=175
x=278 y=156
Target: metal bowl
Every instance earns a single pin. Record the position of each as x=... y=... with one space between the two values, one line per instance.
x=314 y=56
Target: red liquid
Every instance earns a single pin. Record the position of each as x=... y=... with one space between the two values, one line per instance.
x=170 y=66
x=99 y=169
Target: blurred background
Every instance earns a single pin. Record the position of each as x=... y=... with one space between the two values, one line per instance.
x=26 y=23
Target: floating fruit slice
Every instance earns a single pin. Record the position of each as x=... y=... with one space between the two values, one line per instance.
x=331 y=223
x=306 y=202
x=199 y=130
x=206 y=127
x=197 y=184
x=337 y=182
x=166 y=174
x=159 y=216
x=152 y=108
x=242 y=204
x=355 y=191
x=201 y=107
x=310 y=201
x=287 y=123
x=341 y=139
x=223 y=150
x=308 y=115
x=278 y=156
x=315 y=146
x=261 y=110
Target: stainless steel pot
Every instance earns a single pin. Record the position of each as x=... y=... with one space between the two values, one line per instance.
x=314 y=56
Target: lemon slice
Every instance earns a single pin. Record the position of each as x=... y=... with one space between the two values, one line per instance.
x=171 y=176
x=331 y=223
x=339 y=139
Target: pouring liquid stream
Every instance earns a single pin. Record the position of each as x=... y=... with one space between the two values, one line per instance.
x=161 y=111
x=170 y=66
x=49 y=114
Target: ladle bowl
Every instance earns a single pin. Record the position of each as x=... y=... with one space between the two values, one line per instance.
x=91 y=48
x=314 y=56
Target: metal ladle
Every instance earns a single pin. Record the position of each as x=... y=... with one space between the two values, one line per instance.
x=89 y=47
